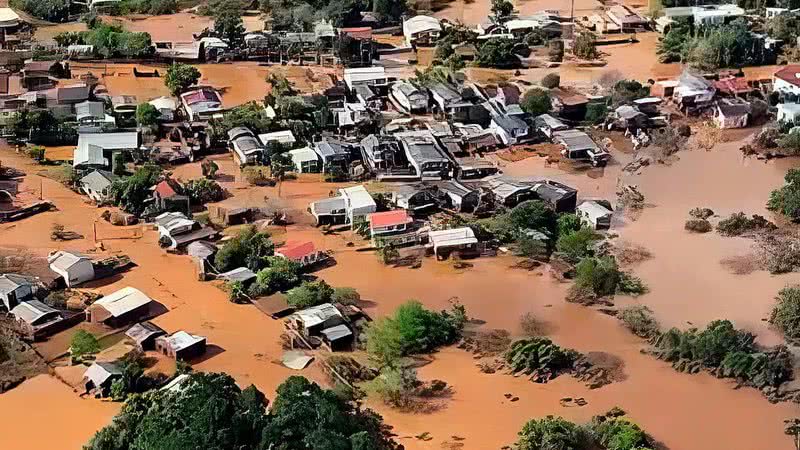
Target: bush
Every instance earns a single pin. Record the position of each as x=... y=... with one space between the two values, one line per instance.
x=698 y=226
x=567 y=223
x=576 y=245
x=50 y=10
x=596 y=112
x=147 y=115
x=601 y=277
x=768 y=137
x=82 y=344
x=625 y=91
x=551 y=81
x=738 y=224
x=583 y=47
x=309 y=294
x=785 y=314
x=786 y=200
x=280 y=275
x=412 y=329
x=540 y=356
x=131 y=194
x=640 y=320
x=552 y=433
x=789 y=143
x=36 y=153
x=620 y=434
x=531 y=325
x=536 y=101
x=250 y=248
x=395 y=386
x=203 y=190
x=257 y=176
x=701 y=213
x=345 y=296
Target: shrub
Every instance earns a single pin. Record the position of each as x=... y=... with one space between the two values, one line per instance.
x=768 y=137
x=82 y=344
x=345 y=296
x=203 y=190
x=599 y=275
x=395 y=386
x=147 y=115
x=738 y=224
x=596 y=112
x=785 y=314
x=620 y=434
x=36 y=153
x=257 y=175
x=628 y=90
x=640 y=320
x=568 y=223
x=790 y=143
x=540 y=356
x=309 y=294
x=786 y=200
x=698 y=225
x=531 y=325
x=131 y=194
x=583 y=47
x=701 y=213
x=552 y=433
x=551 y=81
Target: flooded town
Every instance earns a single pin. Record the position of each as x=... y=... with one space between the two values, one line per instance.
x=399 y=224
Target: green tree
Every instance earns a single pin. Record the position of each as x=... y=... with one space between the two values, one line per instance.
x=82 y=344
x=551 y=81
x=280 y=165
x=625 y=91
x=596 y=112
x=180 y=77
x=497 y=53
x=599 y=275
x=785 y=314
x=575 y=245
x=501 y=9
x=345 y=296
x=620 y=434
x=280 y=275
x=390 y=10
x=203 y=190
x=147 y=115
x=131 y=193
x=309 y=294
x=786 y=200
x=229 y=26
x=552 y=433
x=536 y=101
x=673 y=46
x=584 y=46
x=249 y=248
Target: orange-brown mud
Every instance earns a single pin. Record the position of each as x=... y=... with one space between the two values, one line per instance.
x=683 y=411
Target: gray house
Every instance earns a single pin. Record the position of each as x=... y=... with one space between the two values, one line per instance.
x=97 y=184
x=14 y=289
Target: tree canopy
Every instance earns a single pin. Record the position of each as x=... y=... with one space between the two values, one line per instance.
x=786 y=200
x=536 y=101
x=249 y=248
x=180 y=77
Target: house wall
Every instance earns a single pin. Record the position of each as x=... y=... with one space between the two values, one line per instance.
x=501 y=134
x=786 y=87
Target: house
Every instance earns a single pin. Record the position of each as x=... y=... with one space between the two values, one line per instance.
x=311 y=321
x=421 y=31
x=693 y=93
x=37 y=319
x=548 y=125
x=15 y=289
x=176 y=230
x=412 y=196
x=181 y=345
x=38 y=75
x=629 y=117
x=509 y=193
x=124 y=105
x=568 y=103
x=507 y=95
x=474 y=138
x=245 y=146
x=595 y=214
x=456 y=196
x=626 y=18
x=733 y=87
x=74 y=268
x=301 y=252
x=648 y=105
x=238 y=275
x=787 y=79
x=93 y=113
x=390 y=227
x=333 y=153
x=699 y=15
x=97 y=184
x=731 y=112
x=365 y=76
x=410 y=99
x=99 y=377
x=579 y=146
x=351 y=206
x=166 y=106
x=124 y=306
x=381 y=152
x=283 y=137
x=458 y=104
x=98 y=149
x=9 y=27
x=664 y=88
x=201 y=103
x=166 y=195
x=72 y=94
x=461 y=240
x=509 y=130
x=144 y=335
x=788 y=112
x=424 y=154
x=305 y=160
x=560 y=197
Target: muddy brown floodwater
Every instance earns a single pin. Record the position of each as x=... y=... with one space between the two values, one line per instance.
x=688 y=284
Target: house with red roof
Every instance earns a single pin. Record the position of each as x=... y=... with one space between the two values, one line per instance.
x=166 y=194
x=787 y=80
x=302 y=252
x=391 y=227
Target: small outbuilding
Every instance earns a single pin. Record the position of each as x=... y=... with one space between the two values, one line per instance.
x=97 y=184
x=595 y=214
x=731 y=113
x=444 y=242
x=305 y=160
x=144 y=334
x=15 y=289
x=181 y=345
x=99 y=376
x=74 y=268
x=37 y=319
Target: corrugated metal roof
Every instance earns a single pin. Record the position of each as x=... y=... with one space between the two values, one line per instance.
x=452 y=237
x=122 y=301
x=31 y=311
x=317 y=314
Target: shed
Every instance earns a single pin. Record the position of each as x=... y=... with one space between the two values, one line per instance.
x=99 y=376
x=97 y=184
x=305 y=160
x=509 y=193
x=239 y=275
x=284 y=137
x=90 y=111
x=118 y=308
x=317 y=318
x=181 y=345
x=201 y=250
x=74 y=268
x=38 y=319
x=14 y=289
x=455 y=239
x=338 y=337
x=144 y=334
x=421 y=30
x=731 y=113
x=595 y=214
x=560 y=197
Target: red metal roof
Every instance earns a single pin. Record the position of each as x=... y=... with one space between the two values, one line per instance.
x=165 y=189
x=733 y=86
x=789 y=74
x=296 y=250
x=389 y=218
x=358 y=32
x=200 y=95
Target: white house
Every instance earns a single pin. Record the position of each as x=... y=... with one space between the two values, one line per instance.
x=594 y=214
x=166 y=106
x=97 y=184
x=421 y=30
x=370 y=76
x=788 y=112
x=245 y=146
x=173 y=223
x=73 y=267
x=787 y=80
x=731 y=113
x=509 y=130
x=452 y=239
x=284 y=137
x=92 y=147
x=359 y=203
x=305 y=160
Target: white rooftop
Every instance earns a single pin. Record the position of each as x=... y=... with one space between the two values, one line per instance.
x=452 y=237
x=124 y=300
x=357 y=196
x=181 y=340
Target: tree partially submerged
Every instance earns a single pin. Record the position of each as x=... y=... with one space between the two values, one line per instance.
x=181 y=77
x=785 y=314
